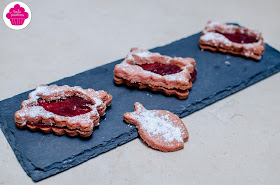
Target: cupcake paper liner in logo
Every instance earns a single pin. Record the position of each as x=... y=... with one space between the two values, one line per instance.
x=17 y=15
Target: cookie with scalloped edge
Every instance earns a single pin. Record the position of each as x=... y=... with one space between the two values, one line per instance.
x=228 y=38
x=63 y=110
x=156 y=72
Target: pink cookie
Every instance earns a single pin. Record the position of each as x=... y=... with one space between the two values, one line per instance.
x=160 y=129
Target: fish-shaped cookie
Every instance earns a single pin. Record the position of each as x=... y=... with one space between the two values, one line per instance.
x=160 y=129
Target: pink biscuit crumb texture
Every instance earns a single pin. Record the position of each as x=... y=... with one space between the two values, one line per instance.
x=160 y=129
x=17 y=15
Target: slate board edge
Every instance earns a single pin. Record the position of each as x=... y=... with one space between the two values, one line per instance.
x=201 y=104
x=29 y=167
x=10 y=138
x=205 y=102
x=40 y=174
x=56 y=168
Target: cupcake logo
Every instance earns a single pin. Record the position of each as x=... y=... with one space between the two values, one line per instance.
x=17 y=15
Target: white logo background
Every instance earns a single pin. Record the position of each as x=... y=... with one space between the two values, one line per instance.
x=8 y=22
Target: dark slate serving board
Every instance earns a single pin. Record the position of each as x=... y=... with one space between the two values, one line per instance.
x=44 y=155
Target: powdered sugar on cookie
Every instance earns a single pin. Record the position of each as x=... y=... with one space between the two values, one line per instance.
x=229 y=38
x=160 y=129
x=77 y=116
x=55 y=92
x=156 y=125
x=156 y=72
x=213 y=36
x=142 y=54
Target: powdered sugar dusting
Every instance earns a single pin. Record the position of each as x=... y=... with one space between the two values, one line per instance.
x=143 y=54
x=39 y=90
x=97 y=102
x=36 y=111
x=32 y=110
x=174 y=77
x=139 y=106
x=211 y=36
x=212 y=24
x=140 y=53
x=50 y=90
x=134 y=73
x=130 y=57
x=157 y=125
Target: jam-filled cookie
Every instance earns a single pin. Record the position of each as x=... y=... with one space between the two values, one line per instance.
x=160 y=129
x=63 y=110
x=144 y=69
x=233 y=39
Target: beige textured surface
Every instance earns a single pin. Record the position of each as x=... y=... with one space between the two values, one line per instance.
x=234 y=141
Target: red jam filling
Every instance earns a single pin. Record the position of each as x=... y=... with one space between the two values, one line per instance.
x=193 y=74
x=239 y=37
x=69 y=106
x=161 y=69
